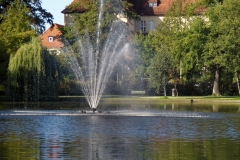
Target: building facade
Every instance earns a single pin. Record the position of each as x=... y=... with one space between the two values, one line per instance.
x=52 y=39
x=70 y=10
x=151 y=13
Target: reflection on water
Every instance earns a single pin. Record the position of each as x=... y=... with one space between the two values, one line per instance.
x=132 y=131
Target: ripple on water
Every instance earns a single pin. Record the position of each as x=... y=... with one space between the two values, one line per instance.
x=143 y=113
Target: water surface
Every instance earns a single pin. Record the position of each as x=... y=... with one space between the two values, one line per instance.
x=130 y=131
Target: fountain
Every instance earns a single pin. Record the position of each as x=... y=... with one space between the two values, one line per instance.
x=98 y=62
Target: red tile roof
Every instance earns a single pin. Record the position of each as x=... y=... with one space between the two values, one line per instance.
x=142 y=6
x=54 y=32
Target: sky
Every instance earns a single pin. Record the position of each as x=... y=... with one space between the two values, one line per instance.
x=55 y=7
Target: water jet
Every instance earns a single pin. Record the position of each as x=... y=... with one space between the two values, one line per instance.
x=98 y=59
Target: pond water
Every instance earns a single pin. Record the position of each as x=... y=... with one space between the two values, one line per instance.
x=135 y=131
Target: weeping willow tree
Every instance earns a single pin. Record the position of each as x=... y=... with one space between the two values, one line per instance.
x=33 y=74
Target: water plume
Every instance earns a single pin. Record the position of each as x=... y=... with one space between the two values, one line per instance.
x=98 y=62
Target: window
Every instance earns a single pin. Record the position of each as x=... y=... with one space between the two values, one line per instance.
x=143 y=26
x=152 y=4
x=50 y=39
x=151 y=25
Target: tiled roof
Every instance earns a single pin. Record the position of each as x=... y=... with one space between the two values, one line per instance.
x=74 y=7
x=142 y=6
x=56 y=34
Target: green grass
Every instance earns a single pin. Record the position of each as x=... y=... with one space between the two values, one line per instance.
x=222 y=97
x=226 y=99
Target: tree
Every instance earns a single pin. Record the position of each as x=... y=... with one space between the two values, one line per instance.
x=15 y=30
x=156 y=47
x=196 y=42
x=33 y=74
x=207 y=45
x=222 y=45
x=160 y=69
x=36 y=14
x=139 y=50
x=189 y=48
x=4 y=57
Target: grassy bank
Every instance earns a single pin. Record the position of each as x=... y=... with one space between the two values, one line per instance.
x=187 y=99
x=182 y=99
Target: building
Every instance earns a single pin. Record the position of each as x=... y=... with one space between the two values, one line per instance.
x=70 y=10
x=151 y=13
x=52 y=38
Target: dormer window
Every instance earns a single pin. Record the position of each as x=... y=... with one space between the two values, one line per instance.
x=50 y=38
x=152 y=3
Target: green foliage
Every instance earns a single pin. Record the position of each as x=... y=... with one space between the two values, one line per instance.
x=4 y=57
x=189 y=48
x=225 y=16
x=11 y=22
x=197 y=45
x=36 y=14
x=160 y=69
x=86 y=22
x=33 y=74
x=70 y=87
x=211 y=2
x=209 y=44
x=15 y=30
x=127 y=10
x=145 y=51
x=222 y=48
x=68 y=84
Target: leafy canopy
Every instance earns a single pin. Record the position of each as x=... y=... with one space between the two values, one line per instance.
x=37 y=15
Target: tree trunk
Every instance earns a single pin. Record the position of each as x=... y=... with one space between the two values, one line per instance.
x=175 y=86
x=164 y=91
x=238 y=85
x=164 y=87
x=180 y=70
x=216 y=83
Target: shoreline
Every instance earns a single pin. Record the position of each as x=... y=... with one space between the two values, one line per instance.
x=169 y=99
x=179 y=99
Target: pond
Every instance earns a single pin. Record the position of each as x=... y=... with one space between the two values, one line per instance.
x=135 y=131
